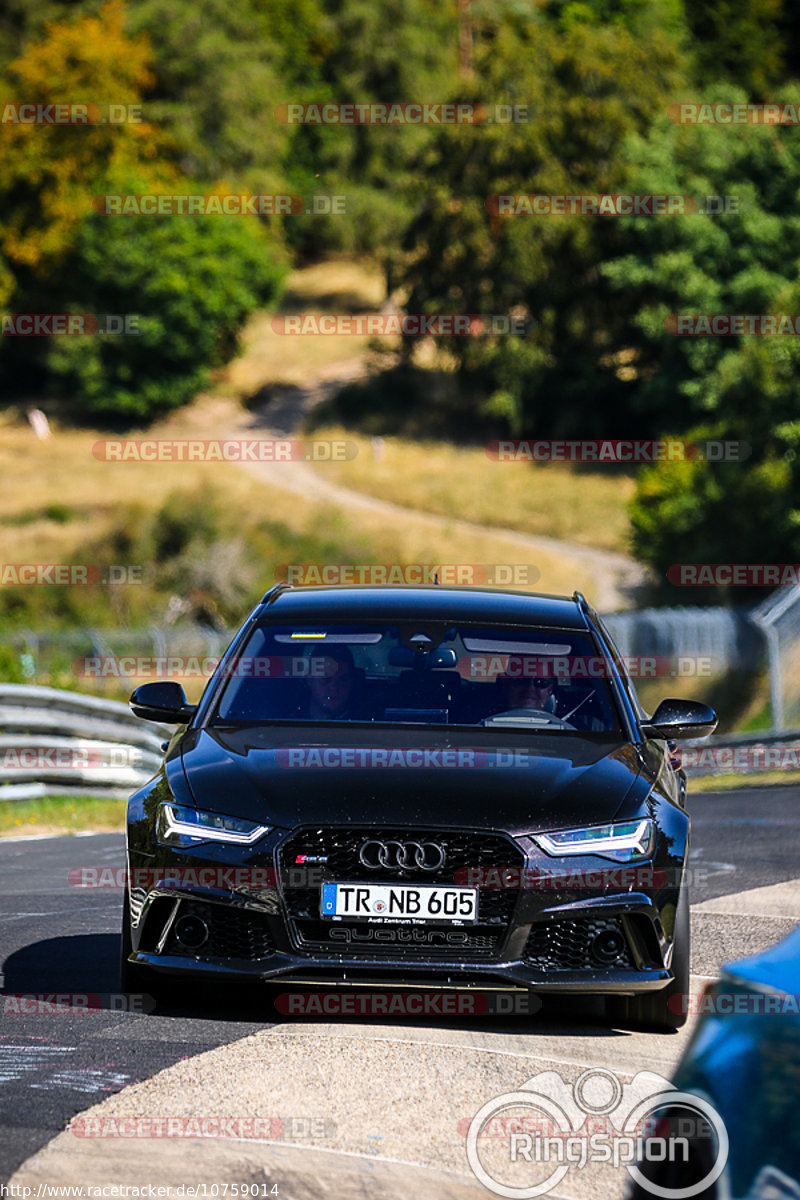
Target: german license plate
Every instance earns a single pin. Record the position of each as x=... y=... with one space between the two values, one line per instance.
x=392 y=902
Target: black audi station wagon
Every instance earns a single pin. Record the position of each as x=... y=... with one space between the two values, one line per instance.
x=407 y=786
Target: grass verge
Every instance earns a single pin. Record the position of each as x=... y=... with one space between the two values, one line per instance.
x=57 y=815
x=724 y=783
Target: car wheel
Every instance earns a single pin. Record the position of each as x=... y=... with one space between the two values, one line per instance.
x=136 y=980
x=678 y=1176
x=653 y=1010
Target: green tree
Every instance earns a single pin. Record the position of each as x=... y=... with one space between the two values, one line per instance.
x=742 y=261
x=586 y=90
x=190 y=281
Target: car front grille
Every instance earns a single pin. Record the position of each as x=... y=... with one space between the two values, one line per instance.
x=340 y=850
x=567 y=945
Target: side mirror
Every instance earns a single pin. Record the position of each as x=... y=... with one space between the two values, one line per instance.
x=675 y=719
x=163 y=701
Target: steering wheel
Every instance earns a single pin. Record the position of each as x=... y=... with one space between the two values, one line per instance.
x=552 y=719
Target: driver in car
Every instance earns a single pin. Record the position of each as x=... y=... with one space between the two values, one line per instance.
x=331 y=684
x=535 y=692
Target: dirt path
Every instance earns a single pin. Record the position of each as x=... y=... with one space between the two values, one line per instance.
x=615 y=578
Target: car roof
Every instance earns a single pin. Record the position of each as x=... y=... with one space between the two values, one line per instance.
x=490 y=606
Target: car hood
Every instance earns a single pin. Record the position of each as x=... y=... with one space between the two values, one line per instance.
x=288 y=775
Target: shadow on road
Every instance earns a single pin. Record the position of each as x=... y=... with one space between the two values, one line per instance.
x=87 y=965
x=84 y=963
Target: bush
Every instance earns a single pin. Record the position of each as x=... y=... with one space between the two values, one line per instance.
x=191 y=282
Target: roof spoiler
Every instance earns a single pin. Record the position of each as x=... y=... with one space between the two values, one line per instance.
x=276 y=590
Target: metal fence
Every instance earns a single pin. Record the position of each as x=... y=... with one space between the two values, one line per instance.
x=778 y=618
x=726 y=638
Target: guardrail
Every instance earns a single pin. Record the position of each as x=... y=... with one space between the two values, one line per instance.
x=742 y=753
x=56 y=742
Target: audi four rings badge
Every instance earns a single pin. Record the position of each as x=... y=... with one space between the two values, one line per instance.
x=404 y=856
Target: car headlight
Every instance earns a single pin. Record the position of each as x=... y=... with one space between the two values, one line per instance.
x=627 y=841
x=175 y=824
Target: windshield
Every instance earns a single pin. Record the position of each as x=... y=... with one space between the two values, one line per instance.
x=539 y=680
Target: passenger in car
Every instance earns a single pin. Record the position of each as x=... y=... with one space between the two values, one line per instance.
x=332 y=684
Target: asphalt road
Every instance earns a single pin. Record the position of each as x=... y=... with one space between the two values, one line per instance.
x=55 y=938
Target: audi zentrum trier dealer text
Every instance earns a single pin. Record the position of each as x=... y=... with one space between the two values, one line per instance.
x=411 y=786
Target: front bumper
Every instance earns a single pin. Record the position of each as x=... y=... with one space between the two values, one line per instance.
x=541 y=941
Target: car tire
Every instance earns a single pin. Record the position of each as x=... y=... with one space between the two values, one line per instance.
x=136 y=980
x=653 y=1009
x=677 y=1176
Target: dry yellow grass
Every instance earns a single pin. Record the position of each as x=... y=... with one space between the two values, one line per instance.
x=63 y=470
x=553 y=499
x=268 y=357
